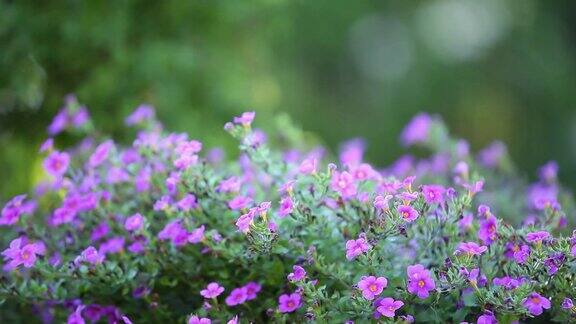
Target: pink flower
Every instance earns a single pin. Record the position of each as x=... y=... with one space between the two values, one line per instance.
x=237 y=296
x=381 y=202
x=356 y=247
x=573 y=250
x=197 y=235
x=100 y=154
x=298 y=273
x=433 y=194
x=488 y=231
x=197 y=320
x=417 y=130
x=407 y=213
x=252 y=290
x=536 y=304
x=134 y=222
x=140 y=114
x=286 y=206
x=372 y=286
x=487 y=318
x=537 y=237
x=420 y=282
x=57 y=163
x=187 y=203
x=289 y=303
x=470 y=248
x=213 y=290
x=308 y=166
x=245 y=119
x=362 y=172
x=76 y=316
x=239 y=202
x=388 y=306
x=22 y=254
x=15 y=208
x=91 y=255
x=343 y=183
x=243 y=223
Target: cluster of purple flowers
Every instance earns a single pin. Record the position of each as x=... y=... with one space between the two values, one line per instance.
x=273 y=237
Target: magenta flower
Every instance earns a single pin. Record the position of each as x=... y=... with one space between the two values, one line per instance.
x=112 y=245
x=387 y=307
x=356 y=247
x=245 y=119
x=381 y=202
x=140 y=114
x=420 y=282
x=487 y=318
x=213 y=290
x=567 y=303
x=537 y=237
x=197 y=320
x=187 y=203
x=372 y=286
x=433 y=194
x=100 y=154
x=240 y=202
x=244 y=221
x=22 y=254
x=286 y=206
x=91 y=255
x=470 y=248
x=343 y=183
x=407 y=213
x=197 y=235
x=491 y=156
x=175 y=232
x=134 y=222
x=252 y=290
x=237 y=296
x=76 y=316
x=15 y=208
x=298 y=273
x=506 y=282
x=57 y=163
x=573 y=250
x=289 y=303
x=488 y=231
x=536 y=304
x=308 y=166
x=417 y=130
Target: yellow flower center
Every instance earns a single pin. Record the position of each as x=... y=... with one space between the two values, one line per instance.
x=421 y=283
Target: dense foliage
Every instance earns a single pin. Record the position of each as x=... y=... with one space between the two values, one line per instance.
x=165 y=230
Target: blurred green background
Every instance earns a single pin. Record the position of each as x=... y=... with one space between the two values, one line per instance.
x=495 y=69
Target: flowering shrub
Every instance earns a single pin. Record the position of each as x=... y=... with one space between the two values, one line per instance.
x=160 y=231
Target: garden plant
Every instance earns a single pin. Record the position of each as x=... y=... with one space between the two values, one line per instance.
x=166 y=230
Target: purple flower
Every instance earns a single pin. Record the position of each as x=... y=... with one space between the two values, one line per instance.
x=343 y=183
x=15 y=208
x=308 y=166
x=252 y=290
x=286 y=206
x=197 y=235
x=134 y=222
x=573 y=250
x=100 y=231
x=420 y=282
x=433 y=194
x=76 y=316
x=536 y=304
x=298 y=273
x=417 y=130
x=381 y=202
x=197 y=320
x=407 y=213
x=548 y=172
x=57 y=163
x=175 y=232
x=288 y=303
x=487 y=318
x=352 y=152
x=237 y=296
x=567 y=303
x=213 y=290
x=245 y=119
x=91 y=255
x=356 y=247
x=372 y=286
x=140 y=114
x=470 y=248
x=491 y=156
x=506 y=282
x=387 y=307
x=187 y=203
x=488 y=231
x=112 y=245
x=59 y=123
x=100 y=154
x=240 y=202
x=537 y=237
x=22 y=254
